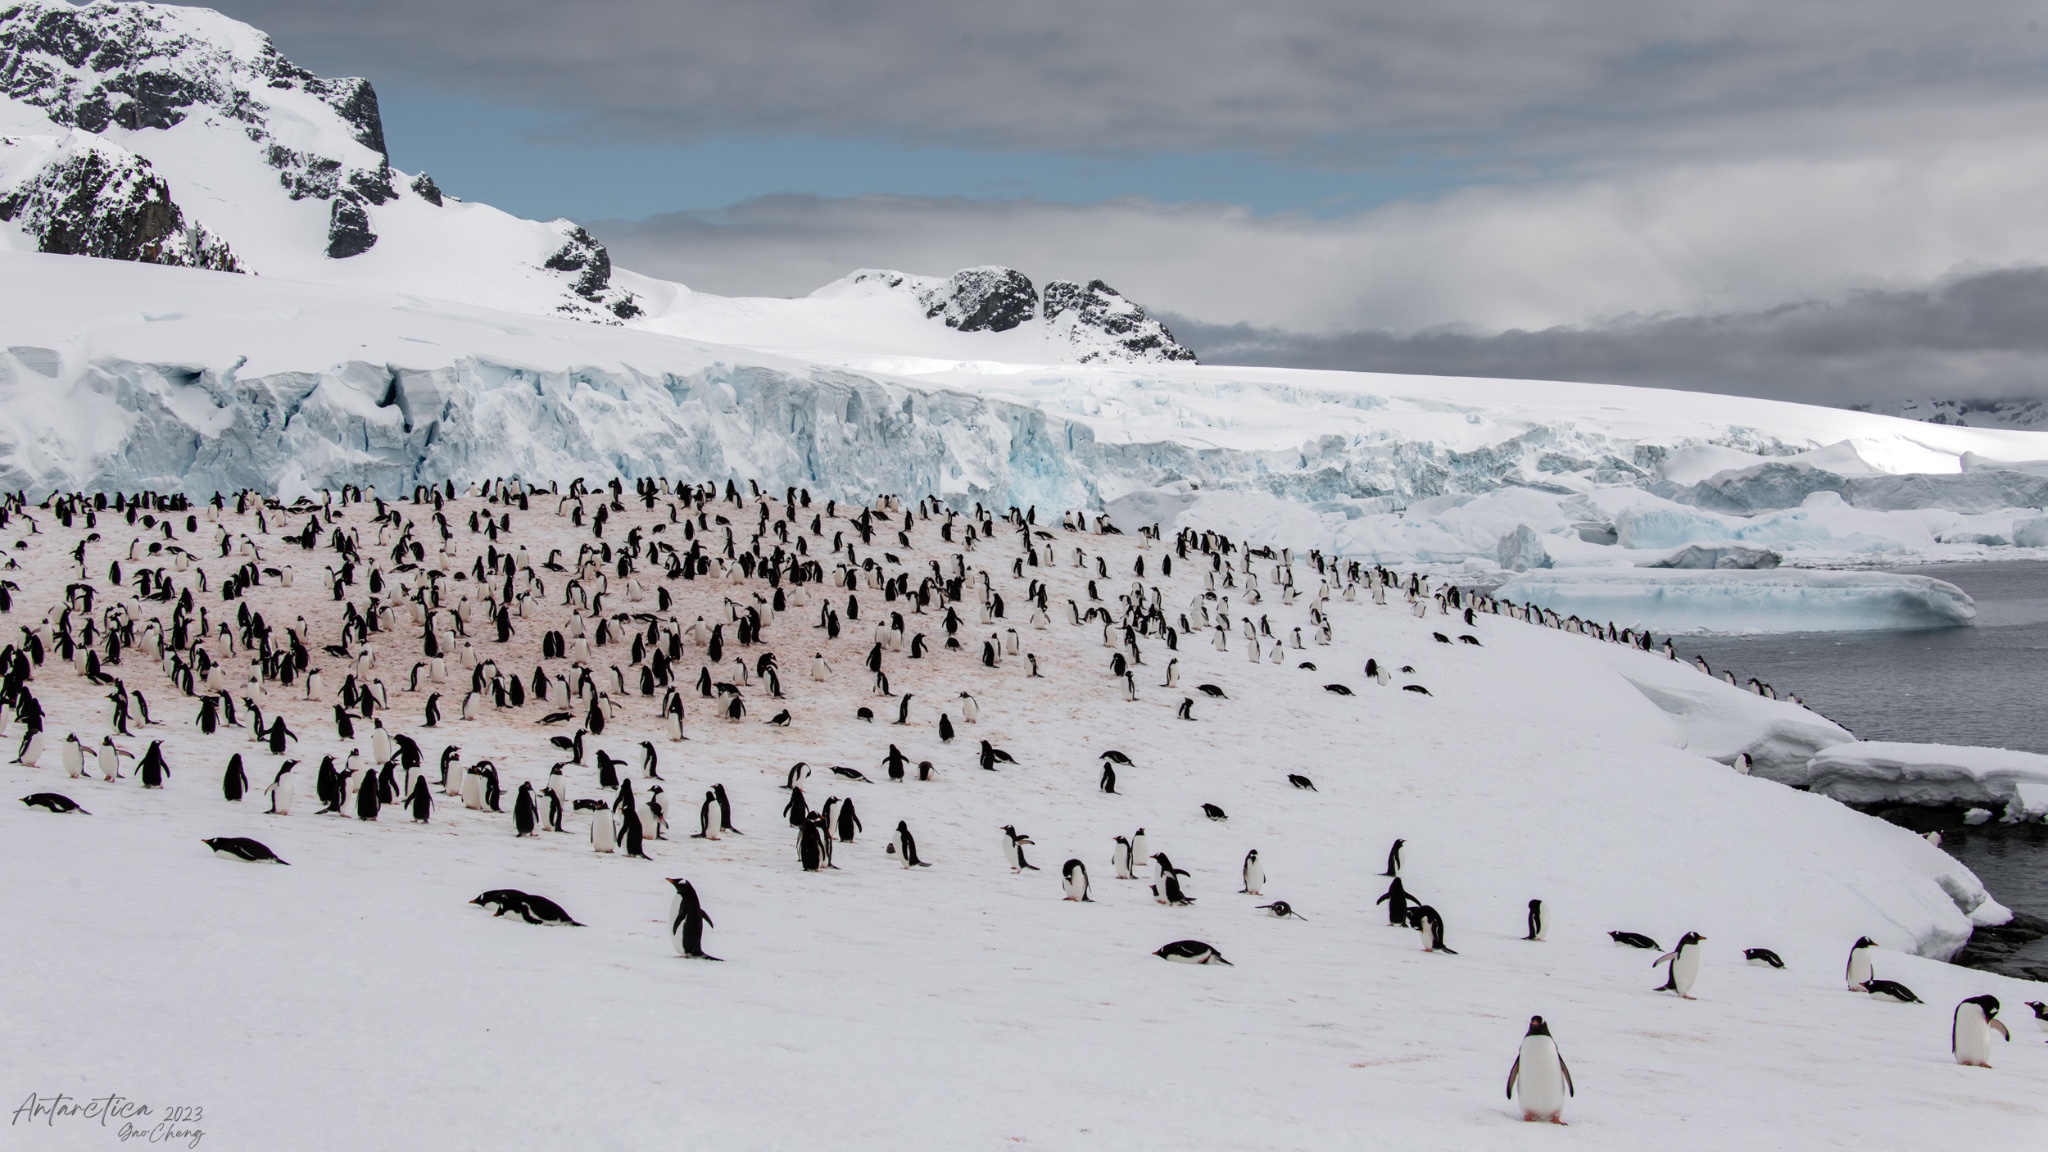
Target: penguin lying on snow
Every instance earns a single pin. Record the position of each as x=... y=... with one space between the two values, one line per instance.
x=1191 y=952
x=1282 y=909
x=1213 y=812
x=532 y=909
x=1890 y=990
x=1210 y=690
x=1763 y=957
x=1337 y=690
x=1634 y=940
x=1300 y=781
x=53 y=802
x=243 y=848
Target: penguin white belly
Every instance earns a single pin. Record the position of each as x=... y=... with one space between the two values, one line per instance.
x=1685 y=969
x=472 y=790
x=1539 y=1079
x=283 y=795
x=1254 y=879
x=1859 y=969
x=602 y=835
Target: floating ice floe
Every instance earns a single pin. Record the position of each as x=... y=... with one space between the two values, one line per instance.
x=1773 y=600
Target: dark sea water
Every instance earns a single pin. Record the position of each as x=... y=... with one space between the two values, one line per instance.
x=1986 y=685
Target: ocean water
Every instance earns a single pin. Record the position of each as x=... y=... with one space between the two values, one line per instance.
x=1986 y=685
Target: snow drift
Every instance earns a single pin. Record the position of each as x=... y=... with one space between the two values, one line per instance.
x=1877 y=772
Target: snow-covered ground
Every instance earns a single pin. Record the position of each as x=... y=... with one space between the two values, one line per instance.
x=355 y=998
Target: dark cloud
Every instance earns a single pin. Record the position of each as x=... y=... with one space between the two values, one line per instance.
x=1342 y=77
x=1978 y=335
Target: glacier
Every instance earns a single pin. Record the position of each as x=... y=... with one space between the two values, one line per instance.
x=1876 y=772
x=1776 y=600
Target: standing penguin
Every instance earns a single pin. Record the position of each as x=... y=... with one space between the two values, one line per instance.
x=687 y=921
x=366 y=801
x=1969 y=1035
x=1536 y=925
x=849 y=821
x=1427 y=921
x=906 y=846
x=724 y=810
x=1141 y=849
x=1396 y=899
x=1121 y=857
x=1540 y=1073
x=1108 y=782
x=1074 y=875
x=420 y=801
x=603 y=836
x=1394 y=859
x=152 y=767
x=707 y=829
x=280 y=790
x=525 y=814
x=810 y=844
x=1254 y=874
x=1166 y=886
x=1859 y=971
x=236 y=781
x=1013 y=849
x=1685 y=965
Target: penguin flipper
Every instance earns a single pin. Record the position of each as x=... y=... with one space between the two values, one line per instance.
x=1515 y=1070
x=1569 y=1087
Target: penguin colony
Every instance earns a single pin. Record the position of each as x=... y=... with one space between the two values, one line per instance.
x=442 y=619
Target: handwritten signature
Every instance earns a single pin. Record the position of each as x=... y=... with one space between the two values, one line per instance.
x=138 y=1121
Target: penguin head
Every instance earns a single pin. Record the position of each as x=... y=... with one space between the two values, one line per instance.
x=1537 y=1027
x=1861 y=943
x=1690 y=938
x=1988 y=1003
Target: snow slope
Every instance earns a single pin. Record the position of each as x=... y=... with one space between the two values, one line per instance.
x=354 y=998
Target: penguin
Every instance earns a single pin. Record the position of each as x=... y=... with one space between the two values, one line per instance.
x=1120 y=857
x=1858 y=972
x=420 y=801
x=532 y=909
x=1891 y=991
x=1763 y=957
x=1635 y=940
x=366 y=801
x=1394 y=859
x=1172 y=673
x=1166 y=887
x=970 y=711
x=1074 y=875
x=1254 y=875
x=1108 y=781
x=433 y=710
x=905 y=847
x=945 y=728
x=1282 y=909
x=687 y=921
x=1540 y=1073
x=1430 y=924
x=236 y=781
x=1191 y=952
x=1536 y=924
x=848 y=821
x=243 y=848
x=724 y=810
x=2040 y=1013
x=1213 y=812
x=1970 y=1031
x=903 y=708
x=1396 y=899
x=603 y=834
x=152 y=767
x=1301 y=782
x=525 y=814
x=280 y=789
x=1013 y=849
x=31 y=750
x=707 y=829
x=1141 y=849
x=1685 y=966
x=53 y=802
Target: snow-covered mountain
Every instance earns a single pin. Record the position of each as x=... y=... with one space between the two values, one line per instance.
x=1966 y=413
x=177 y=136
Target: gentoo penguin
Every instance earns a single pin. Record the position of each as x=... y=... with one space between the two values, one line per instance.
x=280 y=789
x=1635 y=940
x=1191 y=952
x=1301 y=782
x=1172 y=673
x=1431 y=925
x=1540 y=1074
x=724 y=810
x=810 y=844
x=1536 y=924
x=152 y=768
x=54 y=802
x=1254 y=874
x=1108 y=781
x=603 y=835
x=2040 y=1013
x=707 y=828
x=525 y=814
x=1213 y=812
x=945 y=728
x=1396 y=899
x=626 y=815
x=1859 y=970
x=687 y=921
x=1074 y=875
x=1140 y=848
x=1685 y=965
x=1969 y=1034
x=1394 y=859
x=1166 y=886
x=421 y=800
x=532 y=909
x=366 y=801
x=74 y=756
x=236 y=781
x=1120 y=857
x=31 y=750
x=905 y=847
x=1763 y=957
x=1282 y=909
x=970 y=711
x=1890 y=990
x=243 y=848
x=1013 y=849
x=847 y=820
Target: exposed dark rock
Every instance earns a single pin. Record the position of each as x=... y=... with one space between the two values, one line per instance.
x=373 y=185
x=986 y=299
x=348 y=229
x=1105 y=325
x=427 y=190
x=356 y=102
x=106 y=202
x=581 y=253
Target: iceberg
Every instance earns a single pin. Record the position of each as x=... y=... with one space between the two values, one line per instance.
x=1876 y=772
x=1763 y=600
